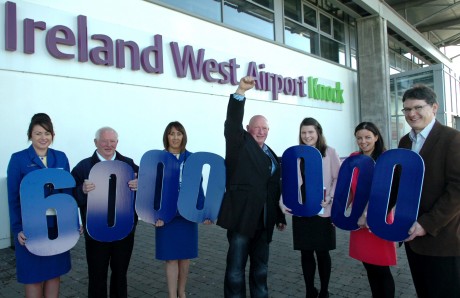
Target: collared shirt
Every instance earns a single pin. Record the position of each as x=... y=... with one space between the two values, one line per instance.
x=238 y=97
x=418 y=139
x=103 y=159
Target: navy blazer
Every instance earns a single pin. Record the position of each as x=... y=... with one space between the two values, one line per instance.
x=439 y=211
x=22 y=163
x=250 y=184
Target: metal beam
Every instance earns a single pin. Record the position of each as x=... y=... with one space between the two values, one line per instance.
x=435 y=14
x=407 y=49
x=404 y=29
x=453 y=40
x=440 y=25
x=409 y=4
x=345 y=9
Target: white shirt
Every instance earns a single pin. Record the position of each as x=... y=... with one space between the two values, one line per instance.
x=418 y=139
x=103 y=159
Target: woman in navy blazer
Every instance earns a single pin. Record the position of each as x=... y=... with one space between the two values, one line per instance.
x=40 y=274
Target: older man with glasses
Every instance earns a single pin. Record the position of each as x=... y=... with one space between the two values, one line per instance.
x=433 y=243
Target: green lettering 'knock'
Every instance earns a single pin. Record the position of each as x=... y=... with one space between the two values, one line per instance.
x=325 y=93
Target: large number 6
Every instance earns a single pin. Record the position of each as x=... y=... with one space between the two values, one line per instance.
x=34 y=206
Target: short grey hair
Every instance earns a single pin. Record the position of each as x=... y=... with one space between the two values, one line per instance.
x=103 y=129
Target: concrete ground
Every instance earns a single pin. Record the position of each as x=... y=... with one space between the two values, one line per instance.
x=146 y=277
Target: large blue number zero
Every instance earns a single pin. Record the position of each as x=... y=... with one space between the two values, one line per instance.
x=158 y=186
x=98 y=212
x=191 y=188
x=408 y=198
x=313 y=184
x=364 y=174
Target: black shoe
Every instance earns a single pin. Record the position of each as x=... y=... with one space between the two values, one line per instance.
x=323 y=294
x=313 y=293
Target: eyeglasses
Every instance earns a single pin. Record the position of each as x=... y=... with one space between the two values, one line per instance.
x=417 y=109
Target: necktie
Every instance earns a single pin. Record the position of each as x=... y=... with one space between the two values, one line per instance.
x=273 y=160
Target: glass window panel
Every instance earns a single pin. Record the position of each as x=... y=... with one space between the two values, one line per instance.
x=393 y=100
x=455 y=96
x=398 y=62
x=325 y=24
x=330 y=8
x=339 y=31
x=393 y=71
x=392 y=56
x=309 y=16
x=342 y=54
x=394 y=132
x=206 y=8
x=301 y=38
x=352 y=31
x=404 y=83
x=354 y=59
x=265 y=3
x=293 y=10
x=249 y=17
x=332 y=50
x=447 y=94
x=399 y=128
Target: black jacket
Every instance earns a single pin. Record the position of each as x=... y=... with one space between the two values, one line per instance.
x=250 y=185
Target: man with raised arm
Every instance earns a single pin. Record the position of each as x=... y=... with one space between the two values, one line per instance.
x=250 y=208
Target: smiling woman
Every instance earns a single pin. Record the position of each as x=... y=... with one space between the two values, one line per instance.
x=376 y=253
x=39 y=274
x=316 y=234
x=41 y=139
x=176 y=241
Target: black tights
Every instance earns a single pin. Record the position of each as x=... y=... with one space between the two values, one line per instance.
x=309 y=268
x=380 y=280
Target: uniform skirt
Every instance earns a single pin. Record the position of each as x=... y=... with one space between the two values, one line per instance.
x=32 y=269
x=313 y=233
x=176 y=240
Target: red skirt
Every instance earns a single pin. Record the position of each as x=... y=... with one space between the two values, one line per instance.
x=366 y=247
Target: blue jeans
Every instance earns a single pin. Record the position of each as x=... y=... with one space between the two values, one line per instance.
x=240 y=248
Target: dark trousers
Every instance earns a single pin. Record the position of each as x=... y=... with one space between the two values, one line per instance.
x=434 y=277
x=309 y=268
x=99 y=255
x=381 y=281
x=240 y=248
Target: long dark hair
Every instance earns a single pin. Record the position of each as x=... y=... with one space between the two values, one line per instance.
x=44 y=121
x=177 y=125
x=379 y=144
x=321 y=142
